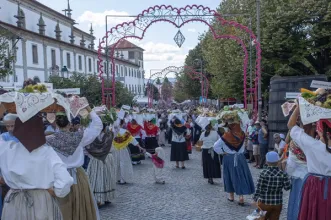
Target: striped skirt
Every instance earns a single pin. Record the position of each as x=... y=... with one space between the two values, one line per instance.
x=236 y=175
x=102 y=176
x=79 y=203
x=30 y=205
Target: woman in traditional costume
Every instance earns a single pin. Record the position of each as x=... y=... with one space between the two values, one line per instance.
x=34 y=173
x=139 y=134
x=237 y=176
x=315 y=195
x=79 y=204
x=152 y=131
x=121 y=141
x=178 y=143
x=9 y=121
x=211 y=162
x=101 y=169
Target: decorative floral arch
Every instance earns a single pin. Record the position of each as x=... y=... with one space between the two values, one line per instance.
x=178 y=17
x=173 y=69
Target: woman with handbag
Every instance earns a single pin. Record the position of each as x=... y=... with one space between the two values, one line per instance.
x=211 y=162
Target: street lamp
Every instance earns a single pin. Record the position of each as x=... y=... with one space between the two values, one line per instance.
x=65 y=70
x=259 y=92
x=202 y=82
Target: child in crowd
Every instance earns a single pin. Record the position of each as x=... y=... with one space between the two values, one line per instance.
x=158 y=160
x=269 y=189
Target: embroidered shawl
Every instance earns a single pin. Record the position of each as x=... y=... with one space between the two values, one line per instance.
x=100 y=147
x=234 y=138
x=122 y=141
x=134 y=129
x=64 y=142
x=151 y=129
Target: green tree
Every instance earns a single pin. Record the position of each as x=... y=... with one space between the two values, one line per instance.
x=166 y=90
x=90 y=87
x=297 y=37
x=156 y=94
x=178 y=91
x=6 y=53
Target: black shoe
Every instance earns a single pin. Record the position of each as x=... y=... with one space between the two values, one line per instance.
x=183 y=167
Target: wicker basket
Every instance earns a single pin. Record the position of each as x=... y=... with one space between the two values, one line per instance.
x=198 y=146
x=11 y=108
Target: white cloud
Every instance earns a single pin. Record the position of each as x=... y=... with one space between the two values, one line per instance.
x=151 y=47
x=191 y=30
x=98 y=18
x=166 y=57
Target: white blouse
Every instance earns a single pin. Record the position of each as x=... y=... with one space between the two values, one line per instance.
x=141 y=134
x=180 y=138
x=90 y=134
x=221 y=148
x=318 y=159
x=209 y=141
x=40 y=169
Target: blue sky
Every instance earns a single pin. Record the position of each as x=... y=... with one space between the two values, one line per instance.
x=160 y=49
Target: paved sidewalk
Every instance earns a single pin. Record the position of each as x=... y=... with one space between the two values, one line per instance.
x=186 y=195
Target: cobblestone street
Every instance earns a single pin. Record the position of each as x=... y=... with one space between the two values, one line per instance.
x=186 y=195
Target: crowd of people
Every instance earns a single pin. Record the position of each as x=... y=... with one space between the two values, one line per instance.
x=67 y=171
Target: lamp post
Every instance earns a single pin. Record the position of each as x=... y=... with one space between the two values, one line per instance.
x=202 y=82
x=259 y=92
x=65 y=70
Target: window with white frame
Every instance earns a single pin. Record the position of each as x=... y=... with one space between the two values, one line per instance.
x=80 y=64
x=131 y=55
x=34 y=54
x=68 y=60
x=89 y=64
x=53 y=58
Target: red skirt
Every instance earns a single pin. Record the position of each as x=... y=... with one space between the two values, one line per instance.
x=189 y=146
x=316 y=198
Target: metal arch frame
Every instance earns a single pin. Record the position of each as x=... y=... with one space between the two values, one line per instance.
x=173 y=69
x=178 y=17
x=150 y=88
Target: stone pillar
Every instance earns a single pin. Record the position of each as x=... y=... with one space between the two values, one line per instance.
x=85 y=64
x=25 y=65
x=75 y=64
x=61 y=61
x=45 y=62
x=93 y=66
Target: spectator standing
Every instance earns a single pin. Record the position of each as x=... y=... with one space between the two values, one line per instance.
x=263 y=142
x=279 y=144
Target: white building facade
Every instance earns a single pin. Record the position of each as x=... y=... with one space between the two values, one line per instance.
x=48 y=43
